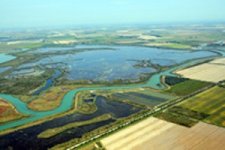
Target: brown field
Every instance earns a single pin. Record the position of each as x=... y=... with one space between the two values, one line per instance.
x=158 y=134
x=213 y=71
x=8 y=112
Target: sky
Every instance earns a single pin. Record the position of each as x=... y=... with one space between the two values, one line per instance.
x=34 y=13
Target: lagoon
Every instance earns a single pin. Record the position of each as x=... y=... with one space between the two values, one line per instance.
x=110 y=63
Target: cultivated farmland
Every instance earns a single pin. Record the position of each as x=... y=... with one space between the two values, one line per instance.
x=187 y=87
x=211 y=102
x=157 y=134
x=213 y=71
x=147 y=97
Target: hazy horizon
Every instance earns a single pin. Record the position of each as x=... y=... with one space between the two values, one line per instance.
x=47 y=13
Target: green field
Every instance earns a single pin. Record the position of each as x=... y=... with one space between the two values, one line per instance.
x=187 y=87
x=182 y=116
x=211 y=102
x=147 y=98
x=208 y=106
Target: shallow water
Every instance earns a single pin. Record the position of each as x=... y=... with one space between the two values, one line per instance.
x=48 y=83
x=115 y=63
x=3 y=69
x=6 y=57
x=66 y=48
